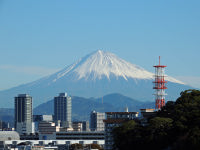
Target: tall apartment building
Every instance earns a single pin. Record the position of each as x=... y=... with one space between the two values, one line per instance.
x=115 y=119
x=96 y=121
x=63 y=110
x=23 y=114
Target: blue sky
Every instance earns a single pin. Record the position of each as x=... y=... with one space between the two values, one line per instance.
x=39 y=37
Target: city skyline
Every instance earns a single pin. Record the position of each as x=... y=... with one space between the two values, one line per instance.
x=39 y=38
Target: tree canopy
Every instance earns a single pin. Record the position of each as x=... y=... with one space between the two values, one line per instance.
x=175 y=126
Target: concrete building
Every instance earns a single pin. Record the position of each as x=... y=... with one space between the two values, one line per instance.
x=96 y=121
x=9 y=135
x=80 y=126
x=82 y=135
x=77 y=126
x=86 y=126
x=38 y=118
x=47 y=128
x=73 y=135
x=115 y=119
x=63 y=110
x=23 y=114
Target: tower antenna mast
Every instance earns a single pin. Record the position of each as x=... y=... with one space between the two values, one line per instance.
x=159 y=86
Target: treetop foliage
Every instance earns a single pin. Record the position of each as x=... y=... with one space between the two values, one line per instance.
x=175 y=126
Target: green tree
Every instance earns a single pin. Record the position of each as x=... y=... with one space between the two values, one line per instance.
x=159 y=129
x=176 y=126
x=124 y=132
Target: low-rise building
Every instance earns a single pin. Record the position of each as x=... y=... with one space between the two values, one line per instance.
x=9 y=135
x=80 y=126
x=73 y=135
x=38 y=118
x=77 y=126
x=83 y=135
x=47 y=130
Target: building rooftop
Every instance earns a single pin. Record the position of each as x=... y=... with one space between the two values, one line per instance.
x=23 y=95
x=113 y=121
x=147 y=110
x=124 y=113
x=63 y=94
x=9 y=135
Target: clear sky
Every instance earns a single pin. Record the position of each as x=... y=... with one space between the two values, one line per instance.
x=39 y=37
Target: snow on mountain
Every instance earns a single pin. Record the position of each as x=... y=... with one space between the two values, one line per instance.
x=94 y=75
x=104 y=64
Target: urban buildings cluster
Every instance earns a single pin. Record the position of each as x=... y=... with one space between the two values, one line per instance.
x=58 y=128
x=26 y=123
x=58 y=131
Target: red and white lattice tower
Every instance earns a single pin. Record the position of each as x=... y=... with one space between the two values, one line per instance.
x=159 y=86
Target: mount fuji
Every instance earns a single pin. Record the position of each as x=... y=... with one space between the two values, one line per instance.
x=94 y=75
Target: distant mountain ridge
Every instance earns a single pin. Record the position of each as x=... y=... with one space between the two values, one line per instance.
x=94 y=75
x=82 y=107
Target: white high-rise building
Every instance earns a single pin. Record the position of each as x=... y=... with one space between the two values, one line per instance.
x=63 y=110
x=23 y=114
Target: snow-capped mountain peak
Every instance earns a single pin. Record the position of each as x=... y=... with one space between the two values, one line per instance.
x=101 y=64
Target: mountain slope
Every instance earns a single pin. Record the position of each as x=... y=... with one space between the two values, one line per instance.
x=99 y=65
x=111 y=102
x=94 y=75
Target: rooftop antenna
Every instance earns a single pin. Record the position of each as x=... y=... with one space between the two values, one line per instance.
x=126 y=109
x=159 y=60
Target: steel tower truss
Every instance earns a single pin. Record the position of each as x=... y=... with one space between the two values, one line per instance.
x=159 y=86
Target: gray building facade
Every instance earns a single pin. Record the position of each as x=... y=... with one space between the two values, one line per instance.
x=39 y=118
x=63 y=110
x=23 y=114
x=96 y=121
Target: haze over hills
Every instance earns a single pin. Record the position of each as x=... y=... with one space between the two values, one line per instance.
x=112 y=102
x=94 y=75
